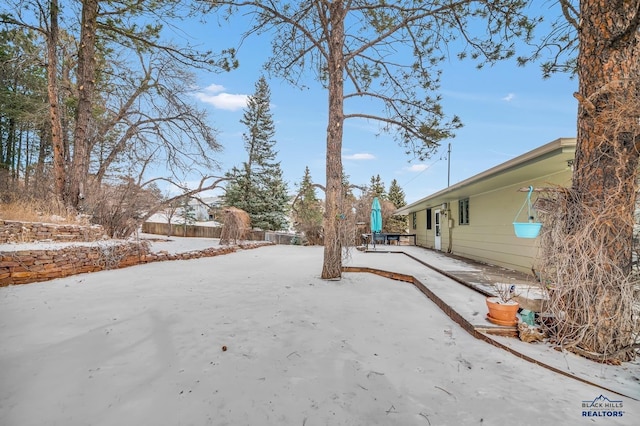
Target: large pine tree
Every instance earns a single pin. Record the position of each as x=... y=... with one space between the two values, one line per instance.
x=357 y=51
x=588 y=246
x=376 y=187
x=258 y=186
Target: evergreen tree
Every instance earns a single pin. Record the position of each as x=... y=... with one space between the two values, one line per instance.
x=396 y=196
x=186 y=212
x=258 y=187
x=349 y=199
x=307 y=210
x=23 y=106
x=376 y=188
x=347 y=188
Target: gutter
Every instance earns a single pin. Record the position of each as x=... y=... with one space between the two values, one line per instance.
x=561 y=143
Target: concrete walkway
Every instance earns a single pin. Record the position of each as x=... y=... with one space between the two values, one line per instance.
x=460 y=288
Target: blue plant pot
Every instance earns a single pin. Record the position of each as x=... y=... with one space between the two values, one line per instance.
x=527 y=229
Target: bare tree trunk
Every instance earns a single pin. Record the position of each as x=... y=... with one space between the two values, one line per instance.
x=18 y=157
x=86 y=87
x=59 y=172
x=27 y=161
x=332 y=265
x=10 y=154
x=44 y=135
x=606 y=163
x=66 y=91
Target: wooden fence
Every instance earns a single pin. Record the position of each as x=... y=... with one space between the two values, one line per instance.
x=282 y=238
x=192 y=231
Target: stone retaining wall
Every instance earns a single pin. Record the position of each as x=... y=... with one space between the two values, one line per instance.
x=27 y=266
x=12 y=231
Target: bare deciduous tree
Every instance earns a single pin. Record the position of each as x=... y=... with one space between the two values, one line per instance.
x=146 y=120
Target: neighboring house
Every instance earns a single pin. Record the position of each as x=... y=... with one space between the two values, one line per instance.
x=205 y=207
x=474 y=218
x=201 y=210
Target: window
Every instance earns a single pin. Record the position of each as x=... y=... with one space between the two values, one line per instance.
x=414 y=220
x=463 y=209
x=428 y=218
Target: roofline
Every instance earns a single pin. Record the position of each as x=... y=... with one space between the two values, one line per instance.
x=545 y=149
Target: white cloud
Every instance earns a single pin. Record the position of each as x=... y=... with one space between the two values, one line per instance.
x=360 y=156
x=214 y=88
x=417 y=168
x=509 y=97
x=214 y=95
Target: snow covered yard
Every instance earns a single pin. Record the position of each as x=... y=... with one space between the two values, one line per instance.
x=144 y=345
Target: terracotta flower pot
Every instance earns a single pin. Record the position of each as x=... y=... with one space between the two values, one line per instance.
x=502 y=313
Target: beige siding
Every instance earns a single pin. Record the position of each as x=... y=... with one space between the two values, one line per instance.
x=490 y=237
x=494 y=201
x=426 y=237
x=421 y=230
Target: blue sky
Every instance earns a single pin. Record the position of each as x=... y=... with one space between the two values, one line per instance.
x=506 y=110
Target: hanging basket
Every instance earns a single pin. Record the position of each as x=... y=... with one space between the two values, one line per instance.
x=528 y=229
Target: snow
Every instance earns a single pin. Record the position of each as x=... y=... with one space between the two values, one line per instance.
x=143 y=346
x=171 y=245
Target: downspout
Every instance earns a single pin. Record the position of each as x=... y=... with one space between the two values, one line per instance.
x=450 y=226
x=448 y=211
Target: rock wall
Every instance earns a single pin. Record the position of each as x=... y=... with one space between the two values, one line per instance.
x=27 y=266
x=22 y=266
x=12 y=231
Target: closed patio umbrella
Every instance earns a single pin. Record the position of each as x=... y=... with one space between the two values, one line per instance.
x=376 y=219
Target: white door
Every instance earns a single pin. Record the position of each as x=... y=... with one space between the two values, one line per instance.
x=438 y=227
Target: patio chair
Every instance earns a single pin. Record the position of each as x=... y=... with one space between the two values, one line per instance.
x=377 y=237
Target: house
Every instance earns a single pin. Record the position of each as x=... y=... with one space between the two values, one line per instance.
x=474 y=218
x=204 y=208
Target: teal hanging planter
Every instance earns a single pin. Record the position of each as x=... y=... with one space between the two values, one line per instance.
x=528 y=229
